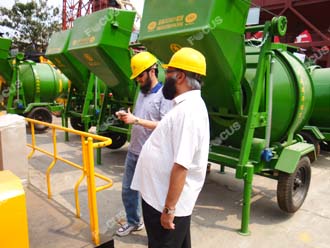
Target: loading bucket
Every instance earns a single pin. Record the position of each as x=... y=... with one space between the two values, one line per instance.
x=213 y=27
x=5 y=68
x=57 y=52
x=100 y=41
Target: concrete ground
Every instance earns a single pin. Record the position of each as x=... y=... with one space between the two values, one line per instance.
x=215 y=220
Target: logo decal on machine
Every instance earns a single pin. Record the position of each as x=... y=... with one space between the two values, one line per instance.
x=175 y=47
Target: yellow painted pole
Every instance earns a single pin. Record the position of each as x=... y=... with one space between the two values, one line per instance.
x=50 y=167
x=54 y=142
x=76 y=194
x=33 y=140
x=92 y=190
x=52 y=164
x=76 y=187
x=89 y=195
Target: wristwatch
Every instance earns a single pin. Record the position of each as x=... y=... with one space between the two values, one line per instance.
x=168 y=210
x=136 y=121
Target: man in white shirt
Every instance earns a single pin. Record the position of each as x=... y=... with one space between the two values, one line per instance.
x=172 y=164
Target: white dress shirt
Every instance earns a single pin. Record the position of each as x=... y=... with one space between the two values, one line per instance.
x=181 y=137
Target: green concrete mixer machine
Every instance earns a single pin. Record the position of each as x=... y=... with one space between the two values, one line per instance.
x=30 y=88
x=317 y=131
x=259 y=95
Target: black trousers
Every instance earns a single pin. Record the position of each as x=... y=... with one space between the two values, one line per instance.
x=158 y=237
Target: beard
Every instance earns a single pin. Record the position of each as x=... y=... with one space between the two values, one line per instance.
x=147 y=86
x=169 y=90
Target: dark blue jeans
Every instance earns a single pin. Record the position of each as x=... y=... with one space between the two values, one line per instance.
x=131 y=198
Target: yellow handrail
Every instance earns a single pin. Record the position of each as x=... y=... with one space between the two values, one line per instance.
x=87 y=168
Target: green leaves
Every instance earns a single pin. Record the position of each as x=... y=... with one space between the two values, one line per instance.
x=32 y=24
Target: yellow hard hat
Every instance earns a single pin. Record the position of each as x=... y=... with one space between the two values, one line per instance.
x=140 y=62
x=188 y=59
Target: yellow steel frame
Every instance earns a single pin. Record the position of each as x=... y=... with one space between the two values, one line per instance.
x=87 y=168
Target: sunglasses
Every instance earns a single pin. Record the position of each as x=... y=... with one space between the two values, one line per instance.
x=140 y=75
x=171 y=70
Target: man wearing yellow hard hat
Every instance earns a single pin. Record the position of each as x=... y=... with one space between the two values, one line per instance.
x=172 y=165
x=150 y=108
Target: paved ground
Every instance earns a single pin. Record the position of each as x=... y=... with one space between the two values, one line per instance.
x=215 y=220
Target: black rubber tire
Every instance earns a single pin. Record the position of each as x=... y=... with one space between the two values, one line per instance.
x=292 y=188
x=40 y=114
x=325 y=146
x=77 y=124
x=118 y=139
x=311 y=140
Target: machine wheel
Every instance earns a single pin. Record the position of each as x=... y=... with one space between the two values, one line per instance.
x=118 y=139
x=312 y=140
x=77 y=124
x=325 y=146
x=40 y=114
x=292 y=188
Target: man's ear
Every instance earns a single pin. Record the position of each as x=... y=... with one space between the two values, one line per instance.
x=180 y=76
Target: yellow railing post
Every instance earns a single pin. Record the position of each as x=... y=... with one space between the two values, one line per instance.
x=52 y=164
x=33 y=140
x=76 y=187
x=92 y=192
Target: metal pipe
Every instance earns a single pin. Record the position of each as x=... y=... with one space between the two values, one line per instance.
x=70 y=130
x=17 y=83
x=248 y=178
x=254 y=28
x=95 y=93
x=92 y=190
x=33 y=138
x=76 y=194
x=270 y=105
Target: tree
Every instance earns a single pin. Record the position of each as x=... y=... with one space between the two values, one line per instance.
x=32 y=22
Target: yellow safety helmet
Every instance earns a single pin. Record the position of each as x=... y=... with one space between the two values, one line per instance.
x=188 y=59
x=141 y=62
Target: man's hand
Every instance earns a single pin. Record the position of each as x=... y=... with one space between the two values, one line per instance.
x=126 y=117
x=120 y=113
x=129 y=118
x=166 y=220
